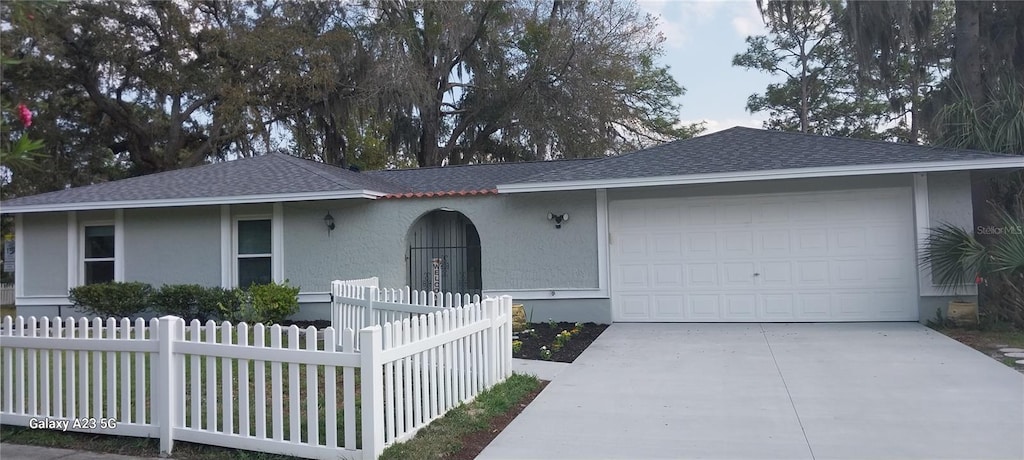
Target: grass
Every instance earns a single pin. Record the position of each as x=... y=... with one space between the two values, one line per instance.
x=444 y=437
x=988 y=340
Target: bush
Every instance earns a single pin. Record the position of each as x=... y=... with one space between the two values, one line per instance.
x=114 y=299
x=191 y=301
x=262 y=303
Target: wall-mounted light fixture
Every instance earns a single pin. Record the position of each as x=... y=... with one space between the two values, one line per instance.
x=329 y=222
x=558 y=218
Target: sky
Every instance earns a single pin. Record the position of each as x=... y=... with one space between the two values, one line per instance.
x=701 y=38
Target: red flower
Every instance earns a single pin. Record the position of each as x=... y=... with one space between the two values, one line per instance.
x=979 y=280
x=25 y=115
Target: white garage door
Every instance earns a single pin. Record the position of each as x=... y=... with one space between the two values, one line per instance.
x=824 y=256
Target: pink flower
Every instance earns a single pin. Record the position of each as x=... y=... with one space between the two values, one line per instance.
x=25 y=115
x=979 y=280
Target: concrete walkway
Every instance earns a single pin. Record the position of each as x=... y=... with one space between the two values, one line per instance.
x=773 y=391
x=544 y=370
x=19 y=452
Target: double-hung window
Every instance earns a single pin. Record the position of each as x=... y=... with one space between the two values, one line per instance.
x=253 y=252
x=98 y=253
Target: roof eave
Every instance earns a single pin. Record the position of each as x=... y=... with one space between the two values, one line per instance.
x=773 y=174
x=203 y=201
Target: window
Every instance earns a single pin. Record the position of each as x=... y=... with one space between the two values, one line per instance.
x=254 y=252
x=98 y=257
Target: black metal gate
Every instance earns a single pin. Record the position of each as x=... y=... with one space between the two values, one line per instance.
x=444 y=254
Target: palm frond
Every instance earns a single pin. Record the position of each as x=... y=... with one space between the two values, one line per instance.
x=954 y=256
x=1008 y=250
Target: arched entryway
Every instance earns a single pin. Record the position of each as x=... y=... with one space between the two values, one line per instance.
x=444 y=253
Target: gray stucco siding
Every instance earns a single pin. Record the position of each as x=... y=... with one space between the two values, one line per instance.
x=520 y=248
x=173 y=246
x=949 y=199
x=44 y=250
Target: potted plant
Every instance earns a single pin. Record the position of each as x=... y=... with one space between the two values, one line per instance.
x=958 y=258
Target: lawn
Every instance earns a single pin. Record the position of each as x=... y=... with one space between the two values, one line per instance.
x=460 y=434
x=989 y=342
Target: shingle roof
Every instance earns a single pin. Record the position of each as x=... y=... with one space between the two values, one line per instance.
x=742 y=149
x=467 y=179
x=733 y=150
x=262 y=175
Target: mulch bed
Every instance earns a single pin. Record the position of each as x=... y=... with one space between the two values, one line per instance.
x=544 y=335
x=475 y=442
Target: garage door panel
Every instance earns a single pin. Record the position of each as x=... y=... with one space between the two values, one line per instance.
x=670 y=306
x=666 y=246
x=780 y=307
x=775 y=243
x=702 y=275
x=633 y=276
x=776 y=274
x=829 y=256
x=812 y=272
x=738 y=274
x=814 y=307
x=631 y=246
x=701 y=244
x=740 y=307
x=635 y=307
x=667 y=276
x=704 y=307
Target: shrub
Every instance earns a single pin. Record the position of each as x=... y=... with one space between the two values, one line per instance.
x=262 y=303
x=191 y=301
x=113 y=299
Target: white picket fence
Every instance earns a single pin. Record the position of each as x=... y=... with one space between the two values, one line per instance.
x=356 y=304
x=6 y=294
x=254 y=388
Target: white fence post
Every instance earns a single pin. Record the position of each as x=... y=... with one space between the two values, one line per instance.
x=170 y=329
x=491 y=353
x=506 y=309
x=372 y=388
x=369 y=294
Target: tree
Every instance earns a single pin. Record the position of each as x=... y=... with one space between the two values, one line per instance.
x=178 y=83
x=819 y=94
x=503 y=81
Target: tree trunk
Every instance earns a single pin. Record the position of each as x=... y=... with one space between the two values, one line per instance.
x=967 y=52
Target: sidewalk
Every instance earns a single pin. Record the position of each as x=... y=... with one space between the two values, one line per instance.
x=544 y=370
x=20 y=452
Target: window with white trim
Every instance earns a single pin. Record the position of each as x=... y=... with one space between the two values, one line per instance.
x=98 y=256
x=253 y=252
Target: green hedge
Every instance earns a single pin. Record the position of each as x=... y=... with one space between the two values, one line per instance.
x=114 y=299
x=261 y=303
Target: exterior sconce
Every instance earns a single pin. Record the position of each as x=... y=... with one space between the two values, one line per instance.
x=329 y=222
x=558 y=218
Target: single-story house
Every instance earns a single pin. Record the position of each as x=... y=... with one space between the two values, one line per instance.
x=739 y=225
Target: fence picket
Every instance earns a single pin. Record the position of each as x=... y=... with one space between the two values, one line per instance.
x=260 y=380
x=140 y=372
x=331 y=395
x=348 y=344
x=227 y=378
x=294 y=385
x=389 y=387
x=126 y=373
x=210 y=393
x=407 y=370
x=243 y=382
x=195 y=387
x=58 y=370
x=277 y=390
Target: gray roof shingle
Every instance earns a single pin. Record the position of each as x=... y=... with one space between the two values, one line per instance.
x=742 y=149
x=467 y=178
x=266 y=174
x=732 y=150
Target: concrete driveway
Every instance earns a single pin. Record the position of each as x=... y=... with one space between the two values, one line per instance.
x=773 y=391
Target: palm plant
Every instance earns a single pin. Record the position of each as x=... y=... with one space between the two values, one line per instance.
x=957 y=258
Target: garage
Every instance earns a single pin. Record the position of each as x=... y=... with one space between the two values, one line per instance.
x=840 y=255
